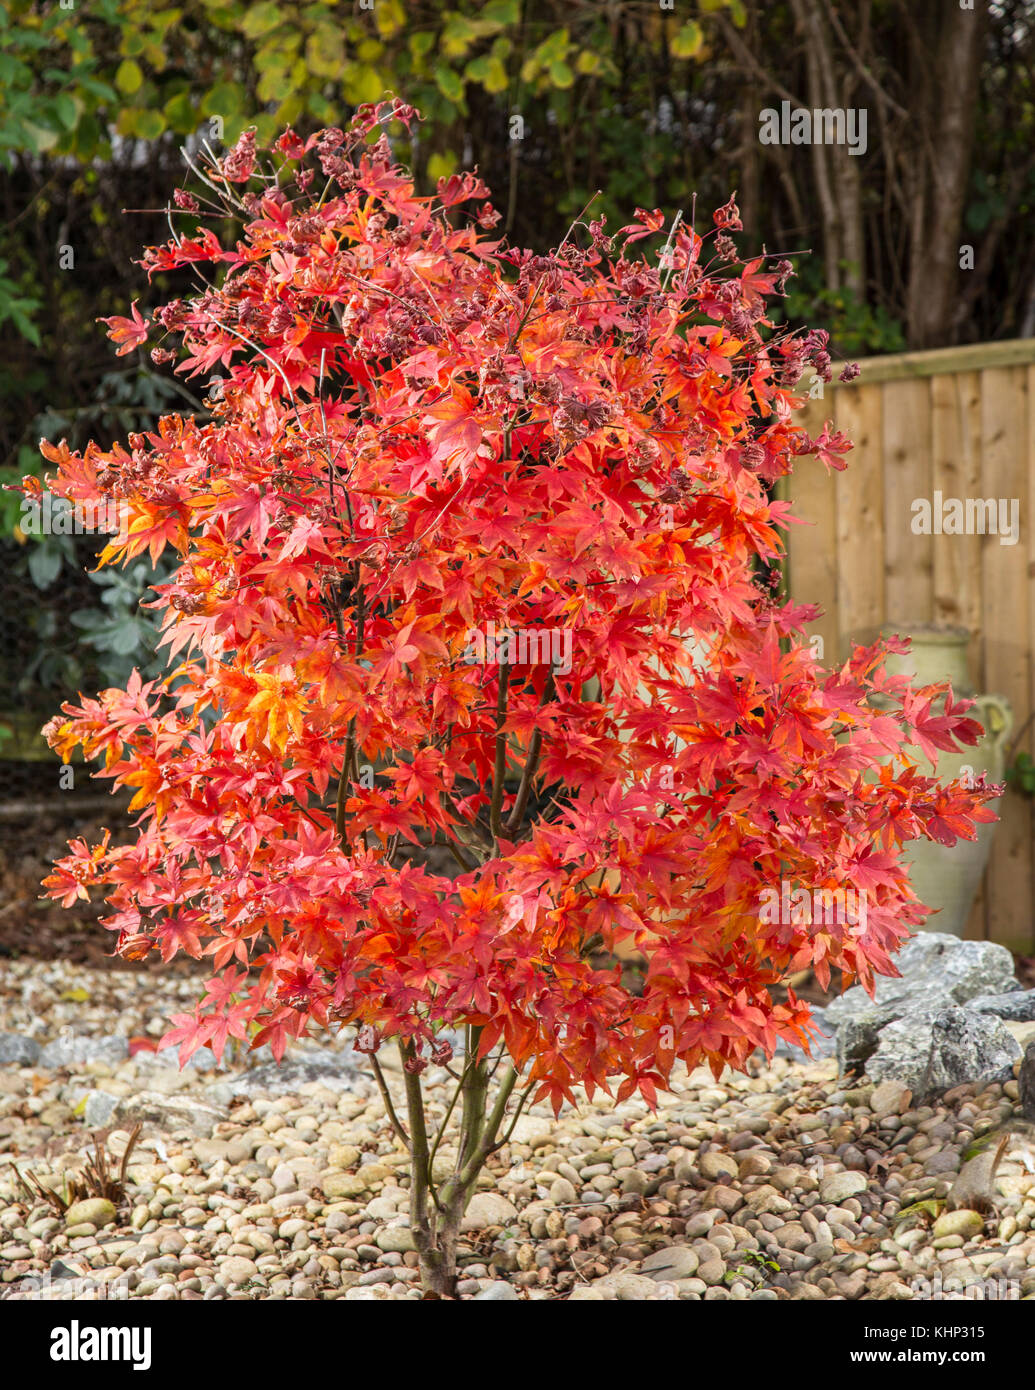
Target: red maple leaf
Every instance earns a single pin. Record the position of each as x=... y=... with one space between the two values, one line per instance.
x=130 y=333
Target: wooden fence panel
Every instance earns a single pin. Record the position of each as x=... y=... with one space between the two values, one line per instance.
x=954 y=423
x=956 y=472
x=1005 y=628
x=906 y=465
x=860 y=514
x=813 y=559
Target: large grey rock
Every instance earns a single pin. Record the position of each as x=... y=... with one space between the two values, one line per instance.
x=933 y=965
x=337 y=1070
x=1018 y=1007
x=931 y=1051
x=857 y=1036
x=168 y=1060
x=76 y=1051
x=1026 y=1083
x=206 y=1060
x=16 y=1051
x=156 y=1110
x=937 y=972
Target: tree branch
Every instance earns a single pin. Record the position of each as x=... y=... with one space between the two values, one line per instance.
x=535 y=744
x=419 y=1165
x=513 y=1119
x=489 y=1129
x=500 y=769
x=386 y=1096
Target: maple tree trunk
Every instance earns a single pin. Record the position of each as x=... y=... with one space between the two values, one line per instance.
x=436 y=1213
x=438 y=1254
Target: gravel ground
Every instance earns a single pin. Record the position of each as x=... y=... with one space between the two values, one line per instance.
x=255 y=1182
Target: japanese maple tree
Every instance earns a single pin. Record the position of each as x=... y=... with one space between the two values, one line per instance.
x=476 y=548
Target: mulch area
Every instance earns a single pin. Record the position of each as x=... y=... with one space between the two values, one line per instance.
x=37 y=927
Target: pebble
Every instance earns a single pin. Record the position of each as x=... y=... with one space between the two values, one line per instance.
x=488 y=1209
x=396 y=1239
x=93 y=1211
x=672 y=1262
x=964 y=1224
x=840 y=1186
x=497 y=1291
x=715 y=1165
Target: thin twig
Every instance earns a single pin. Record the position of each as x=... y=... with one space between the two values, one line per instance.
x=500 y=767
x=514 y=1118
x=664 y=250
x=535 y=744
x=386 y=1096
x=125 y=1157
